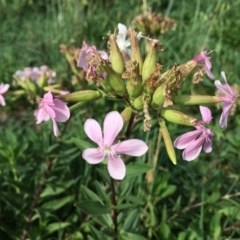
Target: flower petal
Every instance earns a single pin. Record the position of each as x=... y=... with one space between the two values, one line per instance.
x=224 y=116
x=93 y=155
x=206 y=114
x=193 y=150
x=116 y=167
x=2 y=101
x=227 y=87
x=223 y=88
x=208 y=72
x=41 y=115
x=207 y=147
x=186 y=139
x=55 y=128
x=113 y=124
x=4 y=88
x=48 y=98
x=50 y=111
x=93 y=131
x=132 y=147
x=61 y=110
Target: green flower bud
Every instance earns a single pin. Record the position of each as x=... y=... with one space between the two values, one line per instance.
x=150 y=60
x=168 y=142
x=115 y=81
x=81 y=96
x=115 y=55
x=126 y=115
x=42 y=81
x=196 y=100
x=158 y=96
x=135 y=50
x=178 y=117
x=31 y=86
x=134 y=84
x=138 y=103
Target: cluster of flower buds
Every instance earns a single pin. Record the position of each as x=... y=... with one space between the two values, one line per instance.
x=147 y=90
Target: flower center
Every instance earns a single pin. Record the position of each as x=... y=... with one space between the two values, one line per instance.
x=108 y=151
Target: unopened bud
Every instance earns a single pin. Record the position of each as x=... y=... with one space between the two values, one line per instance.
x=178 y=117
x=126 y=115
x=42 y=81
x=158 y=96
x=150 y=60
x=31 y=86
x=138 y=103
x=115 y=55
x=81 y=96
x=115 y=81
x=196 y=100
x=168 y=142
x=134 y=84
x=135 y=50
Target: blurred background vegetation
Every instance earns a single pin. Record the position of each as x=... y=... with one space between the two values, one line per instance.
x=196 y=200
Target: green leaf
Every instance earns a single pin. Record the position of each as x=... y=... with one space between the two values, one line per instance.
x=53 y=227
x=93 y=207
x=56 y=204
x=215 y=225
x=81 y=144
x=90 y=194
x=135 y=169
x=52 y=191
x=131 y=236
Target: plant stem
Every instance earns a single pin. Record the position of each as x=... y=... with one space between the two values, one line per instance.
x=130 y=125
x=114 y=212
x=36 y=197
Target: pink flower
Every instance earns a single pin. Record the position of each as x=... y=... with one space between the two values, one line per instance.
x=203 y=59
x=85 y=51
x=53 y=108
x=193 y=142
x=35 y=73
x=3 y=89
x=228 y=99
x=108 y=147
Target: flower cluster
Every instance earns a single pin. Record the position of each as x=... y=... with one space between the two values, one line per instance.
x=35 y=73
x=139 y=81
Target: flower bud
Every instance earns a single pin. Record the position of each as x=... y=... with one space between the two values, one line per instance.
x=178 y=117
x=135 y=50
x=126 y=115
x=158 y=97
x=150 y=60
x=81 y=96
x=168 y=142
x=138 y=103
x=115 y=55
x=42 y=81
x=134 y=84
x=196 y=100
x=31 y=86
x=115 y=81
